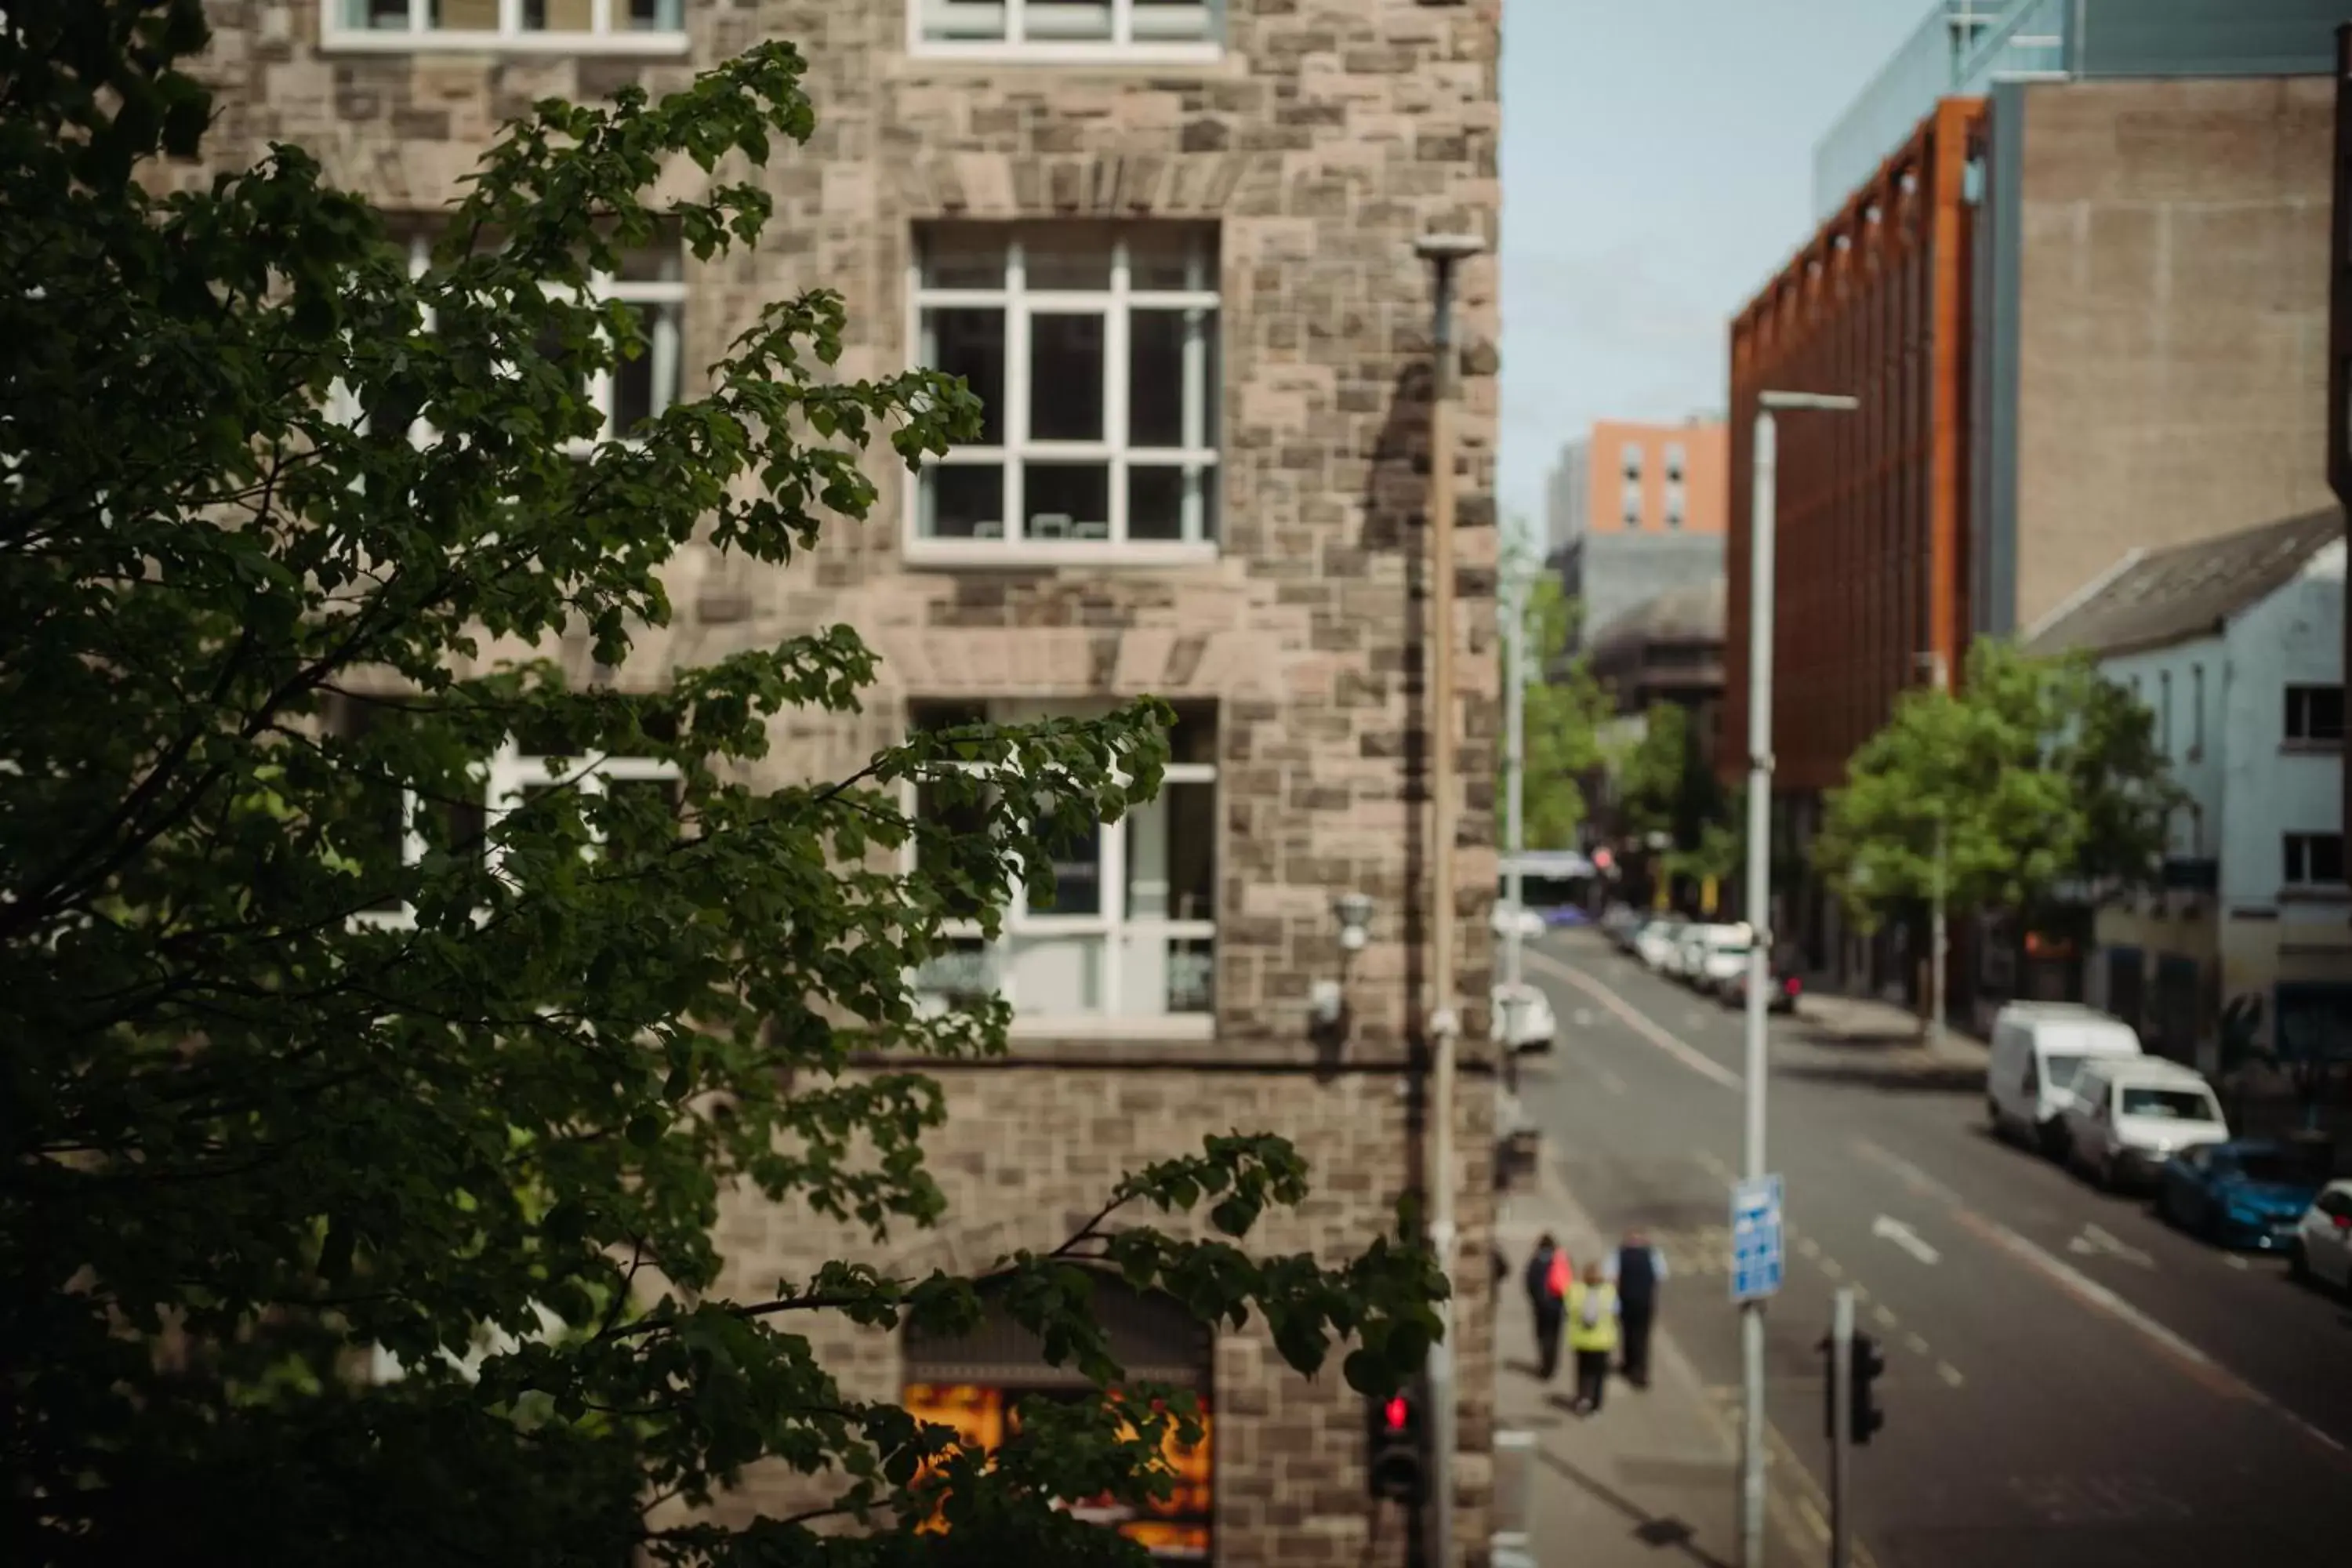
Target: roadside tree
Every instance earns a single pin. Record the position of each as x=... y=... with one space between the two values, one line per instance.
x=312 y=1065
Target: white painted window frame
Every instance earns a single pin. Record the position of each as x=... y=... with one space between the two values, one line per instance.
x=1109 y=927
x=1122 y=47
x=607 y=32
x=1021 y=304
x=504 y=778
x=511 y=773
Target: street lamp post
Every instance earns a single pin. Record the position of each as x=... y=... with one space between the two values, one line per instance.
x=1444 y=253
x=1515 y=755
x=1764 y=510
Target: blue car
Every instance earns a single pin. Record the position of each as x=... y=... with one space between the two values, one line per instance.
x=2252 y=1193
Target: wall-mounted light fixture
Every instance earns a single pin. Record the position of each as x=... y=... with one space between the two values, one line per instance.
x=1326 y=1000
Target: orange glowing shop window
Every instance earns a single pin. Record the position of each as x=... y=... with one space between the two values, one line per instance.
x=1175 y=1529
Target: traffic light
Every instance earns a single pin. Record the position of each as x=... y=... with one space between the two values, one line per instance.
x=1396 y=1467
x=1862 y=1410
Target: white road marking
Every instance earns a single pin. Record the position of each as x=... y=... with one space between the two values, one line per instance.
x=1711 y=1165
x=1833 y=1267
x=1891 y=1229
x=2092 y=1294
x=1582 y=1017
x=1808 y=1247
x=1917 y=1344
x=2236 y=1262
x=1949 y=1373
x=1609 y=1081
x=2094 y=1239
x=1705 y=1066
x=1884 y=1318
x=1814 y=1520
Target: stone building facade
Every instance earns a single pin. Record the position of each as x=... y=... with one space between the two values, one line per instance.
x=1205 y=216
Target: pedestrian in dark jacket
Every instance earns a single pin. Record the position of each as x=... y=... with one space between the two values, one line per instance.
x=1637 y=1269
x=1547 y=1277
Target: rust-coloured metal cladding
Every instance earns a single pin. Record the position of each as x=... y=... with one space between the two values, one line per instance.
x=1869 y=571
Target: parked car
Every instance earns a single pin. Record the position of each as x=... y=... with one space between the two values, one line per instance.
x=2037 y=1050
x=1531 y=1025
x=1531 y=922
x=2252 y=1192
x=2133 y=1114
x=1719 y=954
x=2323 y=1241
x=1656 y=942
x=1621 y=923
x=1780 y=998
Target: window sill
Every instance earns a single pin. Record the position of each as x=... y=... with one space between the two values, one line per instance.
x=1143 y=1026
x=984 y=554
x=1143 y=57
x=386 y=41
x=2316 y=893
x=2292 y=748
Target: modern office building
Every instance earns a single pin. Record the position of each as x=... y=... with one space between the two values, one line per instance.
x=1636 y=511
x=2073 y=259
x=1170 y=244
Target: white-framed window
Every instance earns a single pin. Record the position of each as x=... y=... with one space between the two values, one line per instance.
x=2164 y=711
x=1674 y=461
x=1628 y=458
x=1072 y=30
x=515 y=778
x=2197 y=708
x=568 y=26
x=651 y=285
x=2314 y=715
x=509 y=780
x=1093 y=349
x=1126 y=933
x=1630 y=503
x=1676 y=508
x=2314 y=859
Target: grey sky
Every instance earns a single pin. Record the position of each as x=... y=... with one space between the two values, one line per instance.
x=1657 y=159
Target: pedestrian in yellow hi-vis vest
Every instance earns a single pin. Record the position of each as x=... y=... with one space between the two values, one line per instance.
x=1591 y=1334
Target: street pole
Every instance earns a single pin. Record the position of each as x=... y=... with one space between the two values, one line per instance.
x=1842 y=1428
x=1764 y=505
x=1938 y=941
x=1762 y=509
x=1515 y=748
x=1444 y=251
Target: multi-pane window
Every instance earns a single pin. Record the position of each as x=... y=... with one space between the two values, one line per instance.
x=1127 y=928
x=550 y=22
x=1630 y=503
x=1047 y=26
x=634 y=388
x=397 y=826
x=1093 y=349
x=2314 y=859
x=2164 y=711
x=1675 y=456
x=2315 y=715
x=1630 y=458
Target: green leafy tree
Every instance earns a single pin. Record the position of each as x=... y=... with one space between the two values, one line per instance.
x=1566 y=709
x=2037 y=781
x=254 y=1137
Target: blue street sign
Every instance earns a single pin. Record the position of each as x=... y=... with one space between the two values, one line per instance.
x=1756 y=1239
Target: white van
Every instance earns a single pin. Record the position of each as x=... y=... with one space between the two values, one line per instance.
x=2037 y=1050
x=2131 y=1116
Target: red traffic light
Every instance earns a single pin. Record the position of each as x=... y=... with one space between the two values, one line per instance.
x=1397 y=1413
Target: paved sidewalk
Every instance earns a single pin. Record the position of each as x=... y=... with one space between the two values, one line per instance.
x=1653 y=1479
x=1863 y=1020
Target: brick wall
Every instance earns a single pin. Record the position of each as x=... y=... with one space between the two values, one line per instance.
x=1329 y=134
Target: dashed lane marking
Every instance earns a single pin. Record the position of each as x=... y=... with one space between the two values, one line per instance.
x=2090 y=1293
x=1915 y=1342
x=1881 y=1315
x=1949 y=1373
x=1705 y=1066
x=1814 y=1520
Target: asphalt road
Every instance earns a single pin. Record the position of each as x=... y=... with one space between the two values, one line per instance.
x=2069 y=1381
